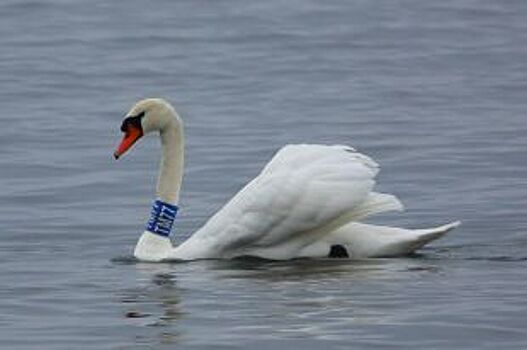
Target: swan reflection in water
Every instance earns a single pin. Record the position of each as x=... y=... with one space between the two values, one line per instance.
x=261 y=298
x=154 y=306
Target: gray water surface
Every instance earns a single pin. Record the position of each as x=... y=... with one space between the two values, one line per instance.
x=434 y=91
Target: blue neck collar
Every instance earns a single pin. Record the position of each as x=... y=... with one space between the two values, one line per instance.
x=162 y=218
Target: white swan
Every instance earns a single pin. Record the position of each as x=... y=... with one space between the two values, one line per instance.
x=304 y=203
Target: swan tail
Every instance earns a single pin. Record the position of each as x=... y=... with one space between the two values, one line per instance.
x=417 y=239
x=424 y=236
x=373 y=241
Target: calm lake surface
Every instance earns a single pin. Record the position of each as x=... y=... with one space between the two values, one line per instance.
x=435 y=91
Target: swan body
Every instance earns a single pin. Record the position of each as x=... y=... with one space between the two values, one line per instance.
x=306 y=202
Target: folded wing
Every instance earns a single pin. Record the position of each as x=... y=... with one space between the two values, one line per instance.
x=305 y=191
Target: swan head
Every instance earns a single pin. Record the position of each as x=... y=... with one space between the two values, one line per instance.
x=146 y=116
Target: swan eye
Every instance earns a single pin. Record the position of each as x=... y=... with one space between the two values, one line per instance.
x=132 y=120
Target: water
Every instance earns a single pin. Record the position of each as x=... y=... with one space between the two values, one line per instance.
x=434 y=91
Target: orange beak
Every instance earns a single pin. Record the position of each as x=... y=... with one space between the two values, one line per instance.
x=131 y=135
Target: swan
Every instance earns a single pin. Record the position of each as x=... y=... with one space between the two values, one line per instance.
x=305 y=203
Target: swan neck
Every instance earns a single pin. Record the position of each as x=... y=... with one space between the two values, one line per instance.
x=172 y=162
